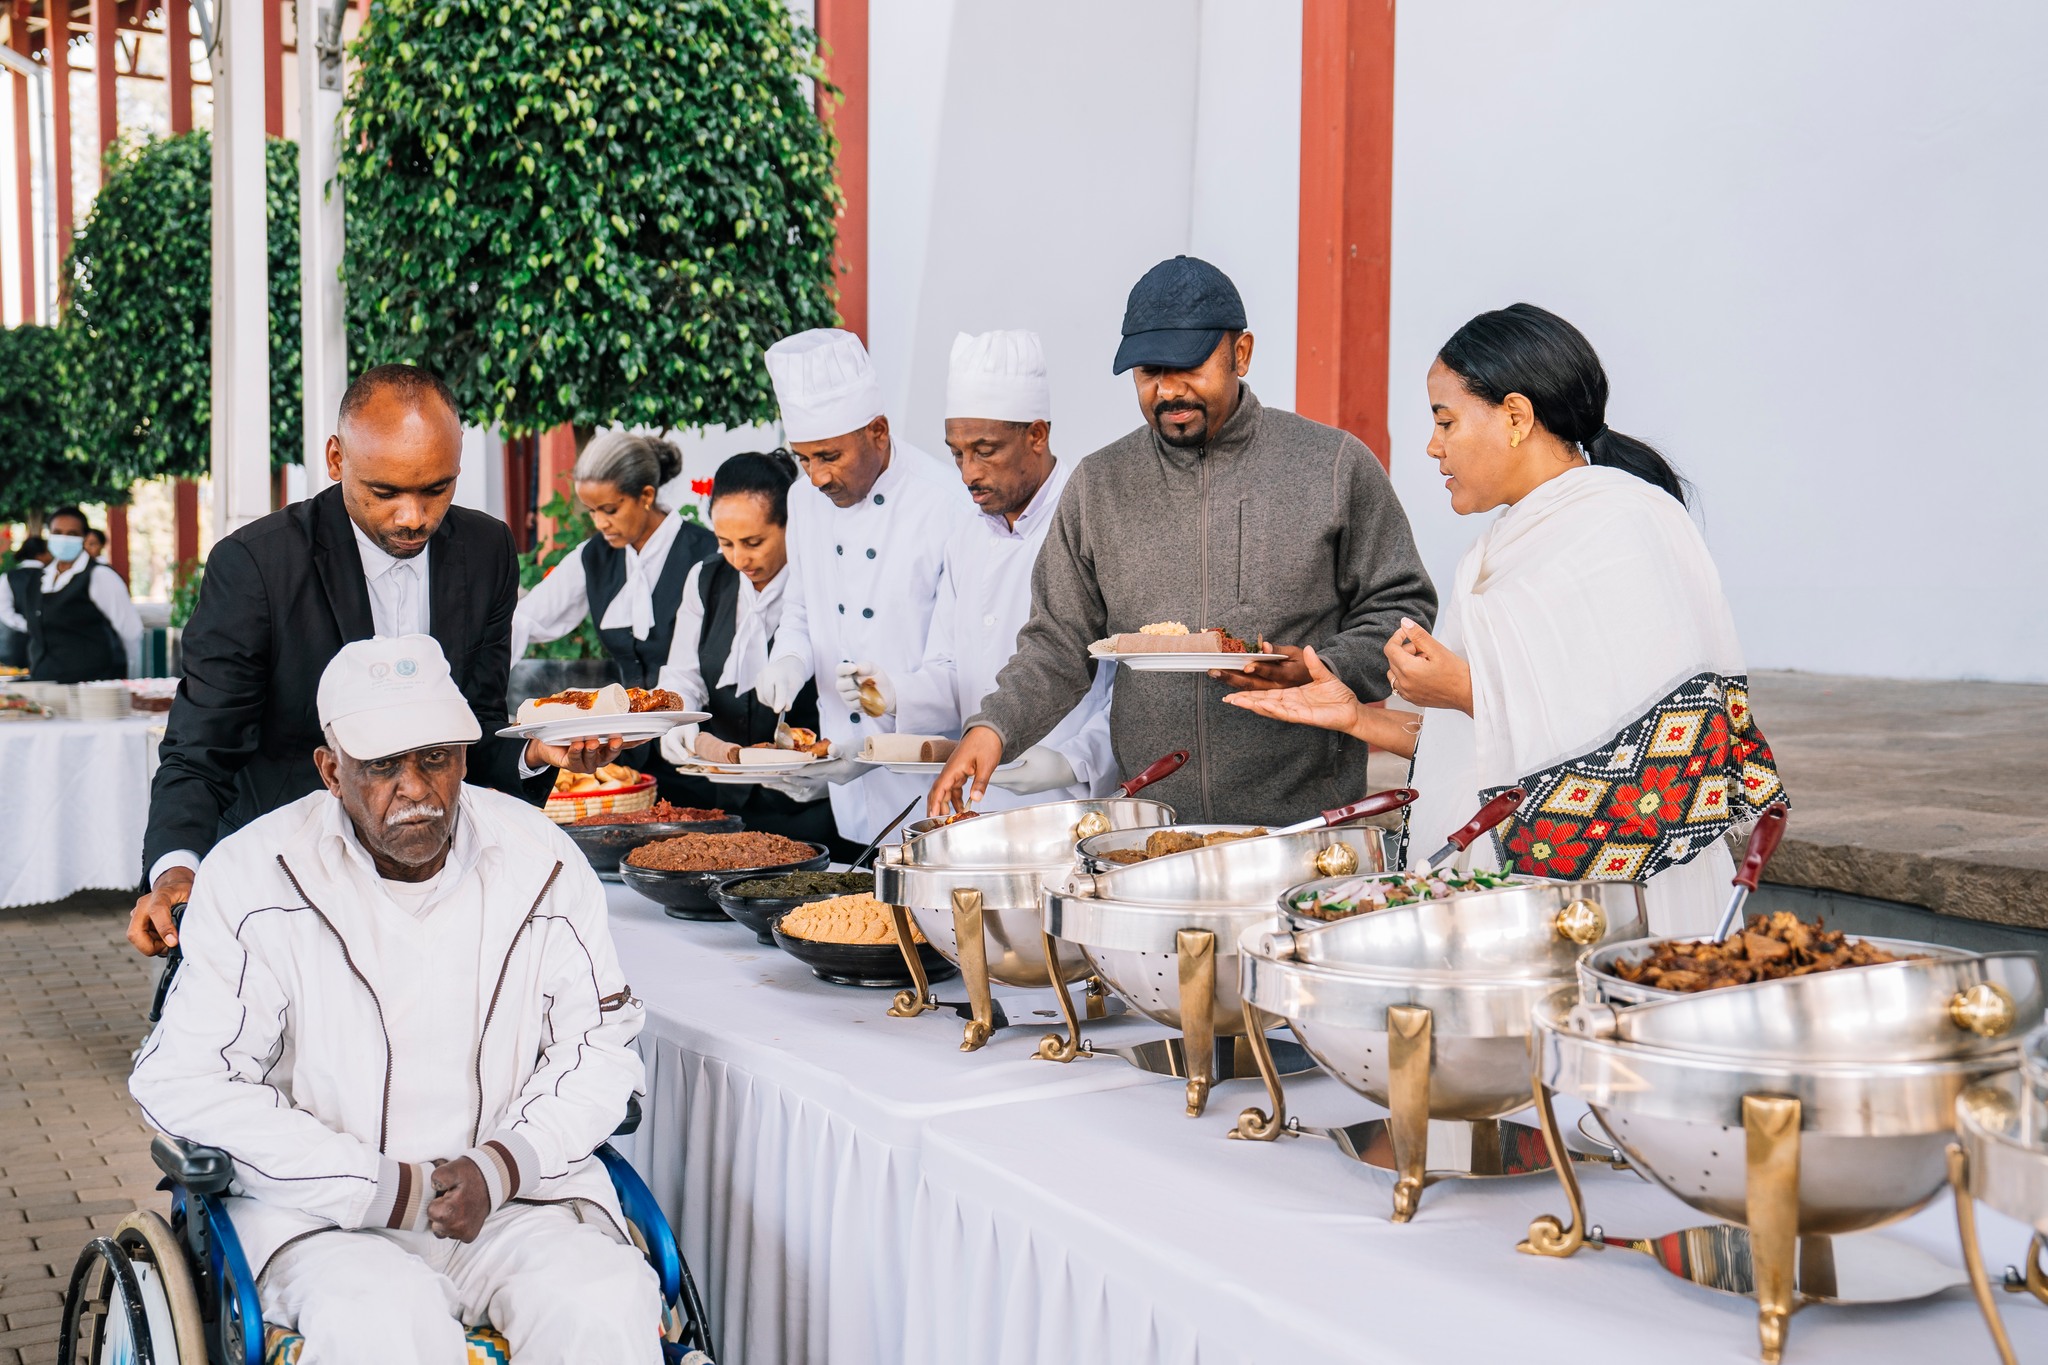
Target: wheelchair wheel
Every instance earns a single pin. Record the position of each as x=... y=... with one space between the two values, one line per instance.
x=131 y=1299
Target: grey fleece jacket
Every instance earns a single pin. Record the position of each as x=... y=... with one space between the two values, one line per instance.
x=1280 y=527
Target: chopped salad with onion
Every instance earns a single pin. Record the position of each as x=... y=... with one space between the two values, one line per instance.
x=1395 y=888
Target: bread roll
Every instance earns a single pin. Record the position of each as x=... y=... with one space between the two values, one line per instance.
x=609 y=700
x=772 y=755
x=1196 y=642
x=712 y=749
x=908 y=748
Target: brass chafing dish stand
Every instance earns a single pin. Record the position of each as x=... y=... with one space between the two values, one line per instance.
x=1799 y=1110
x=2001 y=1158
x=1163 y=935
x=973 y=887
x=1424 y=1008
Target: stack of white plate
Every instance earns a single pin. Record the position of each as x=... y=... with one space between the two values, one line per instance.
x=99 y=701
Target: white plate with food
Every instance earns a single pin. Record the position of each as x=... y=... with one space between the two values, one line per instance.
x=1170 y=647
x=731 y=765
x=634 y=714
x=912 y=755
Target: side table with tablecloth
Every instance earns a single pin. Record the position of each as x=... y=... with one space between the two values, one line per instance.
x=74 y=799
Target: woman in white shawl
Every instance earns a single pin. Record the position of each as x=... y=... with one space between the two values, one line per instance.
x=1586 y=652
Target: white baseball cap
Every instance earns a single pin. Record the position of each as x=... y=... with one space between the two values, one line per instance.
x=389 y=696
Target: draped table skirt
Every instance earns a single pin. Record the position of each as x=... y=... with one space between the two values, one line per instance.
x=850 y=1187
x=74 y=800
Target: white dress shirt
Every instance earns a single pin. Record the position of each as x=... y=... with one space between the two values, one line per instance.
x=759 y=616
x=558 y=603
x=984 y=601
x=863 y=582
x=398 y=589
x=106 y=590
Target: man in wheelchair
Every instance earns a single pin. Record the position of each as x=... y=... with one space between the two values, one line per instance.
x=401 y=1014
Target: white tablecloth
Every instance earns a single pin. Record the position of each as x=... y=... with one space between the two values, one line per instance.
x=74 y=798
x=851 y=1188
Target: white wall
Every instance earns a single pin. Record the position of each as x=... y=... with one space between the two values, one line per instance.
x=1028 y=162
x=1807 y=241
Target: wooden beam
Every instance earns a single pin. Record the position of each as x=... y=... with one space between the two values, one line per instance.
x=178 y=40
x=273 y=67
x=843 y=33
x=1347 y=220
x=57 y=46
x=104 y=27
x=24 y=201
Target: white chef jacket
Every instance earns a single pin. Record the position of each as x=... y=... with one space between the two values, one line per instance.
x=558 y=603
x=106 y=590
x=984 y=600
x=863 y=584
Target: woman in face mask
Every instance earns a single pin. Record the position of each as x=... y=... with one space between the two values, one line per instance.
x=81 y=627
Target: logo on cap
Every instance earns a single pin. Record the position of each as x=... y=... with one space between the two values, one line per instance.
x=407 y=667
x=380 y=671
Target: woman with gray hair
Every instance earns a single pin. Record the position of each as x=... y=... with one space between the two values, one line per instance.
x=629 y=576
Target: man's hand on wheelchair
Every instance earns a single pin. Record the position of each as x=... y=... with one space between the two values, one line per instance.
x=153 y=926
x=458 y=1212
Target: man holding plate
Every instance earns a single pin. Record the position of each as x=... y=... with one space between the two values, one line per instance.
x=1218 y=513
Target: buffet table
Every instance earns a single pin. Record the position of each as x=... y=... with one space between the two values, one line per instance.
x=850 y=1187
x=73 y=803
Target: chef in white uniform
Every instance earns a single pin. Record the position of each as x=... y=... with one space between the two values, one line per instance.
x=866 y=552
x=999 y=428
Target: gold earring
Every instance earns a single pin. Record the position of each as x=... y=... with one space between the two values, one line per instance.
x=1514 y=438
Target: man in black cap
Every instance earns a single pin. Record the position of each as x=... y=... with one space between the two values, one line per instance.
x=1218 y=513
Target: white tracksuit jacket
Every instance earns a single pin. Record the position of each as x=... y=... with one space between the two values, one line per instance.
x=272 y=1045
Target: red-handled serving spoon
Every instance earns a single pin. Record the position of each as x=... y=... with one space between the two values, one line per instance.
x=1165 y=767
x=1763 y=842
x=1379 y=803
x=1490 y=814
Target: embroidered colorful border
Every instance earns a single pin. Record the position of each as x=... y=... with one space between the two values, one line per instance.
x=1670 y=784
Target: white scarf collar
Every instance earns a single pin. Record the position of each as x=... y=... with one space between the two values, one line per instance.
x=640 y=578
x=760 y=611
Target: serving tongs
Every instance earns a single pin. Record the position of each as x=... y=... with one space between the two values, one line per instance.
x=1763 y=842
x=1379 y=803
x=1095 y=822
x=1490 y=814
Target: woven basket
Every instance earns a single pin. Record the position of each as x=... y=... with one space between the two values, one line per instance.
x=569 y=807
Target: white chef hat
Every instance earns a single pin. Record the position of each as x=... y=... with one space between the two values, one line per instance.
x=825 y=384
x=999 y=376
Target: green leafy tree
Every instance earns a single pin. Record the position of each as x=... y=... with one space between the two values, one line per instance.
x=141 y=311
x=588 y=211
x=38 y=471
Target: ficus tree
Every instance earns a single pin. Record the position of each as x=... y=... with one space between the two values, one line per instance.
x=140 y=311
x=38 y=470
x=587 y=211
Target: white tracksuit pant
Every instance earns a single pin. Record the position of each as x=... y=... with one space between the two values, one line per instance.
x=561 y=1291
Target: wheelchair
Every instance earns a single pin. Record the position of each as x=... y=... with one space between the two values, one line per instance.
x=182 y=1293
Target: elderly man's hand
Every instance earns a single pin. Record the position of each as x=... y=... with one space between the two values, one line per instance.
x=464 y=1201
x=581 y=756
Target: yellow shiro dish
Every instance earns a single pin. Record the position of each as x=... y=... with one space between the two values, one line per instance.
x=843 y=919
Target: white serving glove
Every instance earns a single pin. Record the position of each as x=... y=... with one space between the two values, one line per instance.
x=777 y=685
x=815 y=778
x=851 y=676
x=675 y=745
x=1039 y=769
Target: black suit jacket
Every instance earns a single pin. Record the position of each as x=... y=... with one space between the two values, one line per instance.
x=280 y=598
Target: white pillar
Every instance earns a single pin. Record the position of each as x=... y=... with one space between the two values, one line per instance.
x=324 y=339
x=241 y=299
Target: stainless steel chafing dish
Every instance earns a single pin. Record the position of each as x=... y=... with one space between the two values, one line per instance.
x=2001 y=1157
x=1799 y=1108
x=1163 y=934
x=1089 y=853
x=1424 y=1008
x=973 y=887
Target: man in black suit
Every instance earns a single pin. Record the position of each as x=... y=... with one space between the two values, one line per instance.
x=283 y=594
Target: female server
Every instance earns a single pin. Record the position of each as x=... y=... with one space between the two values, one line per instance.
x=731 y=607
x=1587 y=653
x=629 y=577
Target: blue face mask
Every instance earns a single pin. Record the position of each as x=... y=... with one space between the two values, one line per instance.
x=64 y=549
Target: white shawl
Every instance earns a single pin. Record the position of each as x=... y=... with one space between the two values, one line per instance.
x=1577 y=609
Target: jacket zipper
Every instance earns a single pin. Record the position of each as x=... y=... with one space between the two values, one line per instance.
x=1201 y=682
x=476 y=1127
x=383 y=1119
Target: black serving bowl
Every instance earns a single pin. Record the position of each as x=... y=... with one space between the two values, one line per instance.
x=862 y=964
x=687 y=895
x=759 y=912
x=604 y=845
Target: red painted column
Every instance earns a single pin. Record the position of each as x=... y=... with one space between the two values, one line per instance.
x=843 y=32
x=57 y=47
x=273 y=67
x=24 y=218
x=178 y=31
x=1347 y=220
x=557 y=459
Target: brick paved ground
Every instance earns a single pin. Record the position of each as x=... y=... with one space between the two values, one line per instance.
x=74 y=1153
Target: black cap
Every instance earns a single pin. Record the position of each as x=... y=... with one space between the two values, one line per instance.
x=1176 y=315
